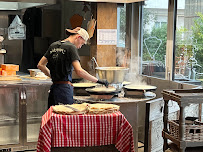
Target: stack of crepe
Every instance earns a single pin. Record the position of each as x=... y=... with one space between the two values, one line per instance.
x=99 y=108
x=73 y=109
x=85 y=108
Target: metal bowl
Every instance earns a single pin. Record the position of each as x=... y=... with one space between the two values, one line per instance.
x=112 y=74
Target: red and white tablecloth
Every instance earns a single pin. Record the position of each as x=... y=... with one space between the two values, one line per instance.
x=85 y=130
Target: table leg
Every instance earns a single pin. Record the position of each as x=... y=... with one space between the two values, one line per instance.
x=165 y=120
x=182 y=128
x=136 y=128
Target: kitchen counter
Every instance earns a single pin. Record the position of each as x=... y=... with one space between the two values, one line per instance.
x=25 y=79
x=114 y=100
x=23 y=103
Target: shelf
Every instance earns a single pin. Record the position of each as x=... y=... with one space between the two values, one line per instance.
x=183 y=98
x=7 y=118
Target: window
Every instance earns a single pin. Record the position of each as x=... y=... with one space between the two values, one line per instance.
x=154 y=37
x=121 y=25
x=160 y=24
x=189 y=38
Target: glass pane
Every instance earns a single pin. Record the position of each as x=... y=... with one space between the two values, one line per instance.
x=155 y=16
x=9 y=116
x=189 y=38
x=121 y=24
x=37 y=103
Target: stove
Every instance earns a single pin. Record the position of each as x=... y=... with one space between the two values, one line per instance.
x=81 y=99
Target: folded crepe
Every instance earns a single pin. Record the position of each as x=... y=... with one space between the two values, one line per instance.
x=85 y=108
x=99 y=108
x=71 y=109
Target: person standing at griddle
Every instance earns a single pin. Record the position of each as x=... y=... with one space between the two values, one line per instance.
x=58 y=63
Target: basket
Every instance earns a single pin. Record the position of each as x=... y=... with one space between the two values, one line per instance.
x=192 y=132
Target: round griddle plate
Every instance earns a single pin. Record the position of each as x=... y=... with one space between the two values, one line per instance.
x=140 y=87
x=92 y=91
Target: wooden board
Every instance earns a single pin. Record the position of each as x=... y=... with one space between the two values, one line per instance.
x=106 y=19
x=154 y=123
x=10 y=78
x=34 y=78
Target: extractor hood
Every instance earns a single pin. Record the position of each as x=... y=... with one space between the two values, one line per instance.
x=23 y=4
x=111 y=1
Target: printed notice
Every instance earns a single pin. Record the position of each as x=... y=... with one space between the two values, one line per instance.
x=106 y=36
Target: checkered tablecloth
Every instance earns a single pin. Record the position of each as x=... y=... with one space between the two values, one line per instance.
x=85 y=130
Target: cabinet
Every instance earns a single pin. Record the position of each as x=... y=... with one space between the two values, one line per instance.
x=182 y=134
x=22 y=106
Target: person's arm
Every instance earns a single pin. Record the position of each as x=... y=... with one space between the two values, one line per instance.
x=82 y=73
x=42 y=66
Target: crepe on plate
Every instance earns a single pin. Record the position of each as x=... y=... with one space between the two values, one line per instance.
x=85 y=85
x=103 y=89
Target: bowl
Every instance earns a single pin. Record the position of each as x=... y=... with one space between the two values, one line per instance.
x=112 y=74
x=33 y=72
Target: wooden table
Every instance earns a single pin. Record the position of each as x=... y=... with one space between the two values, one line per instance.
x=87 y=130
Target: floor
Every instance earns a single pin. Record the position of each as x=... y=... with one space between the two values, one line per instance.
x=173 y=148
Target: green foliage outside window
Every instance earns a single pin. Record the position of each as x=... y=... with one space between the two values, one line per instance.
x=197 y=30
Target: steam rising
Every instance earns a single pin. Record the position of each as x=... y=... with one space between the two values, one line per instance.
x=124 y=60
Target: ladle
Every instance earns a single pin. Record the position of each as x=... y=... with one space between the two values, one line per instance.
x=93 y=59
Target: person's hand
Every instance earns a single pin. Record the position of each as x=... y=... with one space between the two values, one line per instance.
x=104 y=82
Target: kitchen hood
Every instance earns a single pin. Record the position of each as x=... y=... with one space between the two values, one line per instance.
x=110 y=1
x=23 y=4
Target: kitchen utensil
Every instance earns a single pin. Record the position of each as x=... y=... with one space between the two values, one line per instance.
x=76 y=21
x=91 y=27
x=33 y=72
x=79 y=88
x=104 y=93
x=140 y=87
x=74 y=109
x=112 y=74
x=93 y=59
x=137 y=91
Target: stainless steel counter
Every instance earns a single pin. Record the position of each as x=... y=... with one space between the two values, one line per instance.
x=22 y=105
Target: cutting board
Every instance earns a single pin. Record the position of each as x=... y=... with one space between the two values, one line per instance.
x=34 y=78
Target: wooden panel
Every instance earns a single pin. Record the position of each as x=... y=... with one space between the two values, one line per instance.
x=106 y=19
x=106 y=16
x=170 y=42
x=84 y=61
x=93 y=40
x=154 y=123
x=106 y=55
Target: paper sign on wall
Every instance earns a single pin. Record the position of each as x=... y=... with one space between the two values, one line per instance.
x=17 y=30
x=106 y=36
